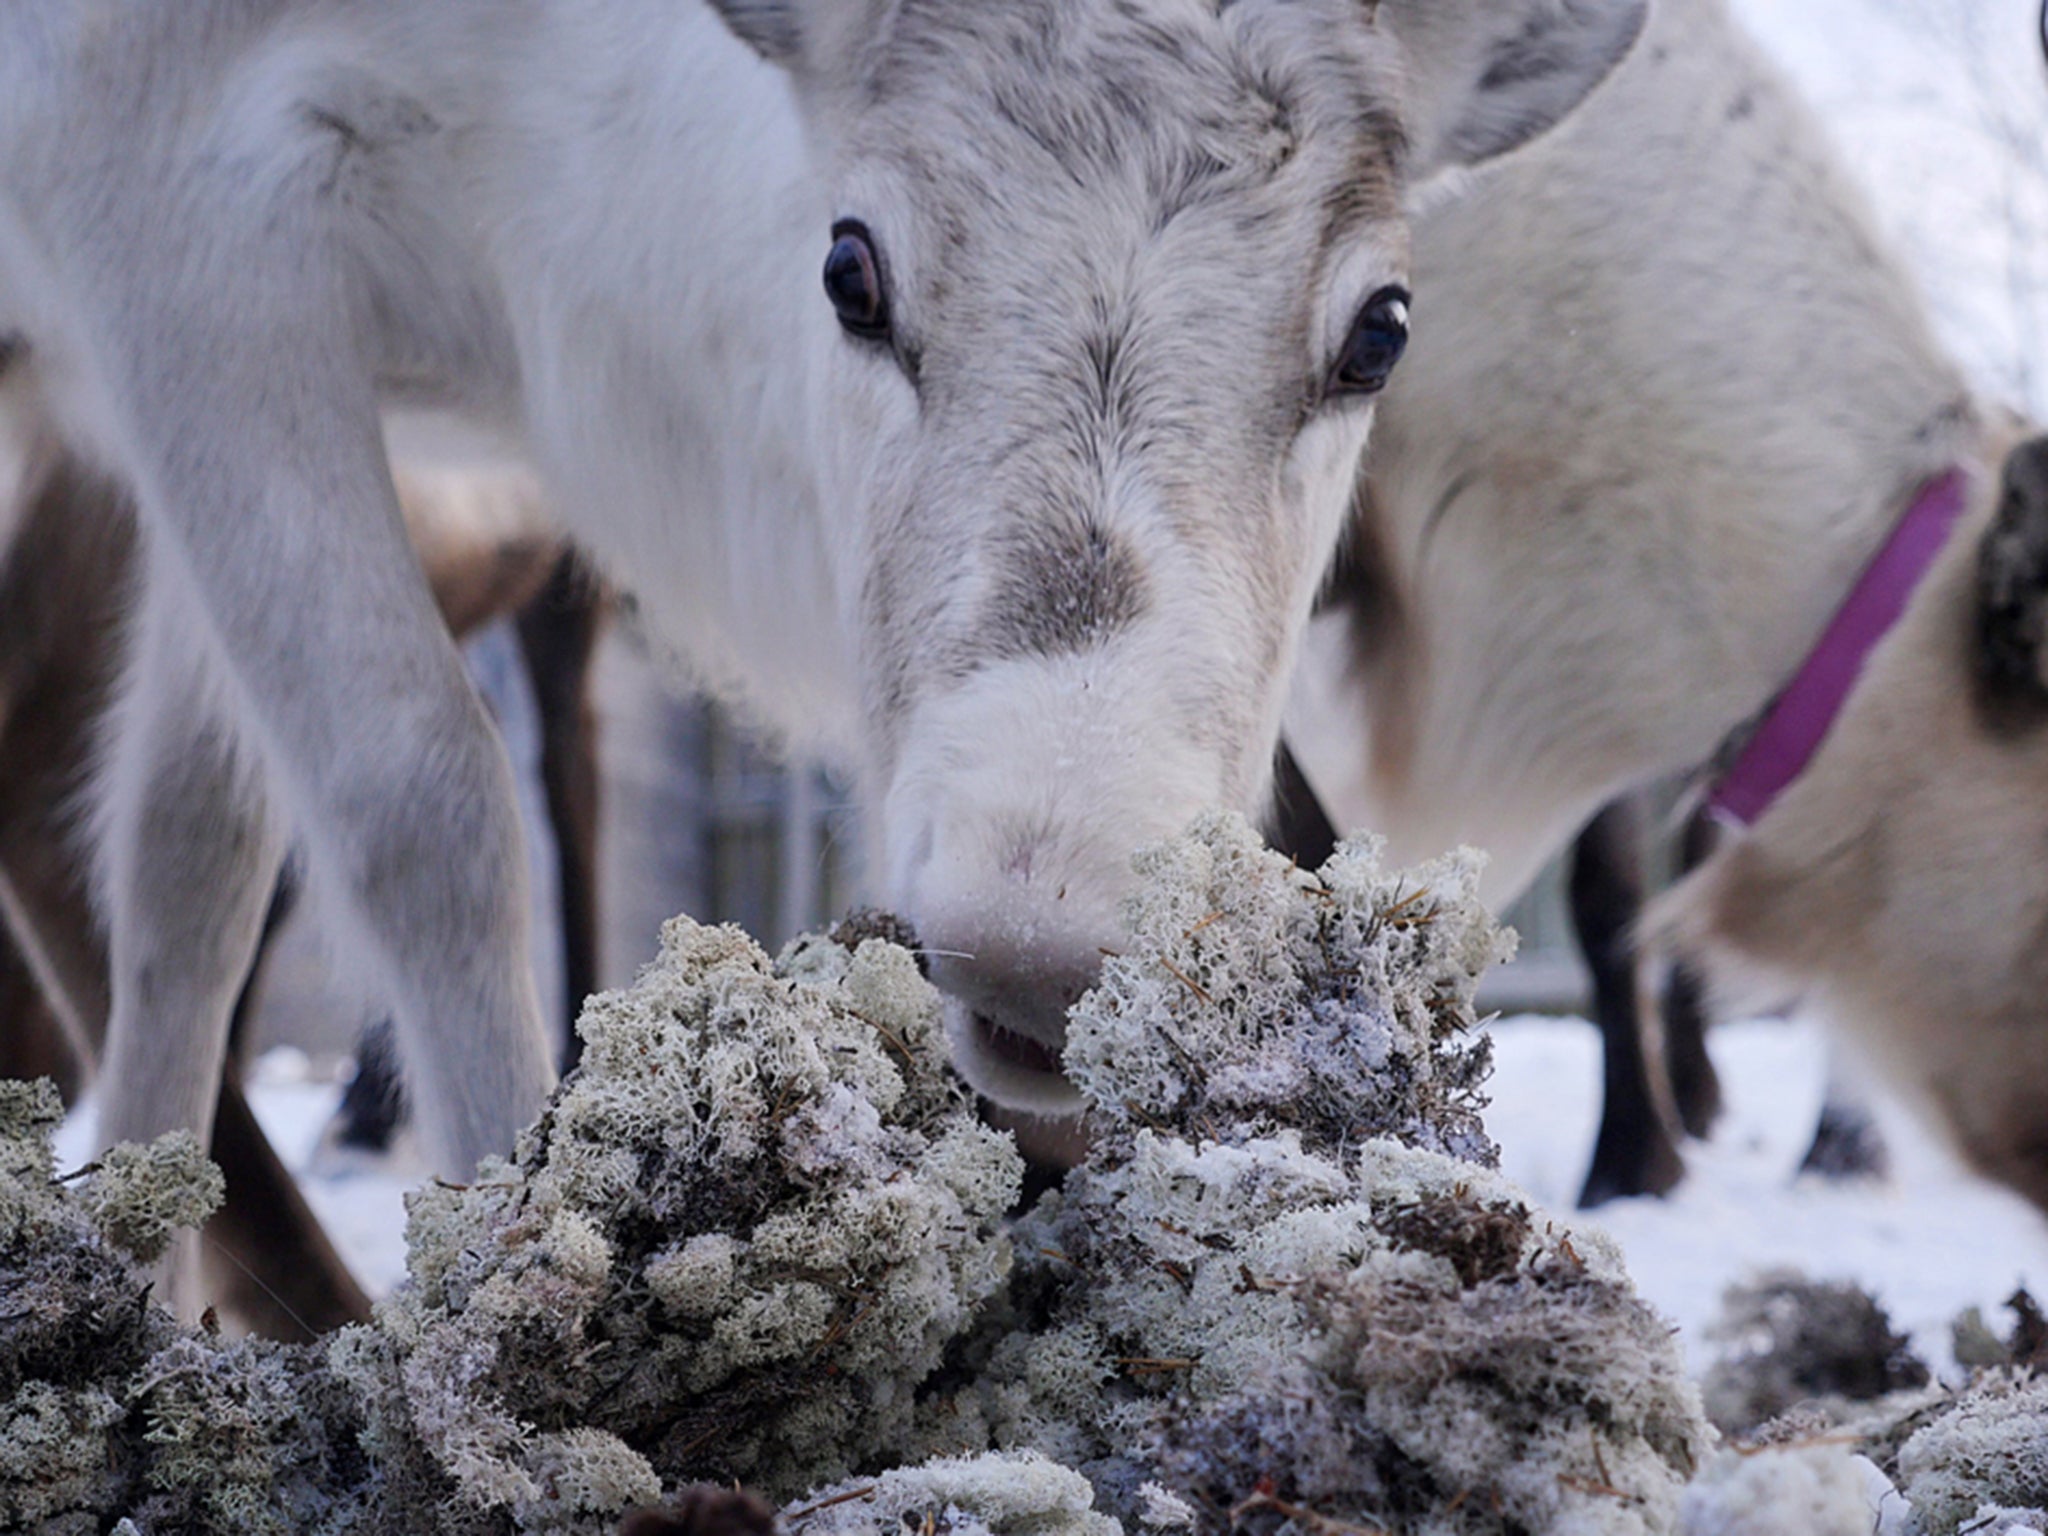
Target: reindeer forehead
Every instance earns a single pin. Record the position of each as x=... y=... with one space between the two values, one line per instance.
x=1192 y=96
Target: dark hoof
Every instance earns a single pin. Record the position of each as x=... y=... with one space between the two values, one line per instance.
x=1626 y=1168
x=1847 y=1145
x=373 y=1105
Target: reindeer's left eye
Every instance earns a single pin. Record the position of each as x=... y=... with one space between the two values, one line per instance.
x=1378 y=338
x=853 y=281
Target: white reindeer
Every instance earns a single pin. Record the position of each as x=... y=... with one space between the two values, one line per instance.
x=1024 y=513
x=1605 y=521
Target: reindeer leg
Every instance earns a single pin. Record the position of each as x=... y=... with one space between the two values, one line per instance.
x=270 y=1263
x=269 y=513
x=1694 y=1083
x=188 y=855
x=558 y=632
x=62 y=588
x=1634 y=1152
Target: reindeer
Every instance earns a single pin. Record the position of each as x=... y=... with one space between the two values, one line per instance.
x=1899 y=880
x=1602 y=526
x=984 y=517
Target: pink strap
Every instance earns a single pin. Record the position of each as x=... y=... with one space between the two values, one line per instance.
x=1800 y=719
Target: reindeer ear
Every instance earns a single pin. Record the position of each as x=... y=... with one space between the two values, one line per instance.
x=772 y=28
x=1488 y=75
x=2012 y=582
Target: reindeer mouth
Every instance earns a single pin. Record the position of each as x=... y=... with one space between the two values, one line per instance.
x=1014 y=1069
x=1019 y=1050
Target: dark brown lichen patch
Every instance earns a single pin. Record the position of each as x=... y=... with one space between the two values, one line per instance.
x=1791 y=1340
x=1482 y=1242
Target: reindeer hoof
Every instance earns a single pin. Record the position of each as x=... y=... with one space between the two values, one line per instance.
x=1627 y=1166
x=1847 y=1144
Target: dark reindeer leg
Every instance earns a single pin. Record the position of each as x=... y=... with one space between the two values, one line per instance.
x=1847 y=1141
x=558 y=632
x=32 y=1040
x=373 y=1105
x=1634 y=1152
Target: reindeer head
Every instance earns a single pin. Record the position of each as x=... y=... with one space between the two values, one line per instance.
x=1902 y=882
x=1116 y=283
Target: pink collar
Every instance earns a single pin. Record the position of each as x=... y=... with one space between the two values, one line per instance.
x=1792 y=730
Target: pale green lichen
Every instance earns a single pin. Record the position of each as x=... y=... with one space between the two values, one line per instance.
x=1981 y=1464
x=734 y=1246
x=758 y=1237
x=141 y=1196
x=738 y=1240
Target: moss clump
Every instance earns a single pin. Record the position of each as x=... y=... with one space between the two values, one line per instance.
x=732 y=1248
x=1258 y=996
x=141 y=1196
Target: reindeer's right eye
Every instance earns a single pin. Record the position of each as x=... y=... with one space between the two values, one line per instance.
x=853 y=281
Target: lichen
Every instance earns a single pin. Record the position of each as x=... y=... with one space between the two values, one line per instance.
x=1020 y=1494
x=733 y=1247
x=1812 y=1490
x=1982 y=1463
x=143 y=1195
x=758 y=1238
x=1255 y=994
x=1287 y=1288
x=1787 y=1340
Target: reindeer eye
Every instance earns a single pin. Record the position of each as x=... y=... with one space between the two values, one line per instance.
x=853 y=281
x=1378 y=338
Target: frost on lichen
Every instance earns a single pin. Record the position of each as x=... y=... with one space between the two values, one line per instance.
x=1812 y=1490
x=74 y=1327
x=733 y=1247
x=1287 y=1288
x=1981 y=1463
x=1257 y=995
x=757 y=1237
x=739 y=1238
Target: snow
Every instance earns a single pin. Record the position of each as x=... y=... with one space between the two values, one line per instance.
x=1927 y=1242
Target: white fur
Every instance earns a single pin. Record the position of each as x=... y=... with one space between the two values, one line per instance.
x=1667 y=394
x=233 y=230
